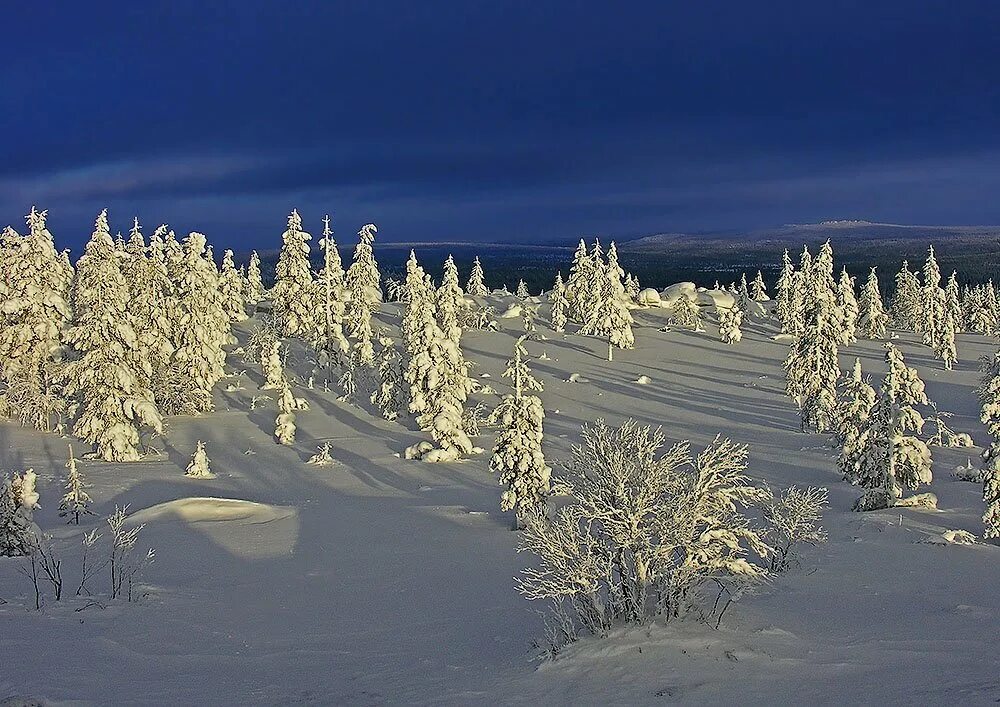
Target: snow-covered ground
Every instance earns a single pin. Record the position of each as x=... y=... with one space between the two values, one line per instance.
x=378 y=580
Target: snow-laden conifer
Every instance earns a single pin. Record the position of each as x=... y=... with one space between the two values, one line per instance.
x=450 y=301
x=329 y=340
x=991 y=497
x=255 y=282
x=200 y=466
x=906 y=306
x=580 y=282
x=476 y=286
x=889 y=457
x=203 y=327
x=272 y=366
x=785 y=294
x=758 y=291
x=854 y=406
x=611 y=317
x=730 y=319
x=848 y=307
x=812 y=368
x=284 y=423
x=522 y=290
x=389 y=396
x=559 y=304
x=953 y=301
x=293 y=286
x=18 y=500
x=932 y=302
x=686 y=313
x=107 y=377
x=233 y=290
x=872 y=318
x=362 y=278
x=517 y=454
x=76 y=501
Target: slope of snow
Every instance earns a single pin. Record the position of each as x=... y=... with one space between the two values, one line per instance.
x=381 y=581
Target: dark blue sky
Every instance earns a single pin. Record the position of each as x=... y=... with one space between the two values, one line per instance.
x=502 y=121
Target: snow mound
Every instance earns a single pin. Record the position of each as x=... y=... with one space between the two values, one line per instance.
x=243 y=528
x=643 y=380
x=952 y=537
x=576 y=378
x=512 y=312
x=783 y=338
x=671 y=294
x=720 y=299
x=649 y=297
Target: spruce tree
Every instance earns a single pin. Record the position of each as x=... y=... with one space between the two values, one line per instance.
x=363 y=278
x=522 y=290
x=991 y=497
x=686 y=313
x=517 y=454
x=450 y=299
x=906 y=309
x=757 y=289
x=812 y=368
x=231 y=286
x=557 y=300
x=255 y=282
x=611 y=317
x=293 y=285
x=953 y=301
x=390 y=395
x=849 y=308
x=284 y=423
x=854 y=406
x=785 y=294
x=932 y=303
x=106 y=378
x=476 y=287
x=730 y=319
x=199 y=467
x=579 y=283
x=872 y=318
x=76 y=501
x=329 y=340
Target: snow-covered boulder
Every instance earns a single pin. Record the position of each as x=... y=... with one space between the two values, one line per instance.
x=720 y=299
x=669 y=295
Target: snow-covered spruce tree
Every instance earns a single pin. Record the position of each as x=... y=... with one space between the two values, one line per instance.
x=202 y=330
x=390 y=394
x=284 y=423
x=272 y=366
x=436 y=372
x=329 y=341
x=293 y=286
x=991 y=497
x=450 y=300
x=611 y=317
x=872 y=318
x=686 y=313
x=990 y=308
x=812 y=368
x=363 y=279
x=76 y=501
x=232 y=288
x=107 y=374
x=647 y=531
x=757 y=289
x=517 y=453
x=255 y=282
x=743 y=289
x=802 y=281
x=989 y=398
x=199 y=467
x=522 y=290
x=363 y=351
x=632 y=287
x=932 y=302
x=730 y=319
x=889 y=456
x=849 y=308
x=476 y=287
x=854 y=406
x=559 y=304
x=953 y=301
x=579 y=283
x=18 y=500
x=784 y=294
x=906 y=310
x=34 y=313
x=152 y=305
x=945 y=349
x=975 y=313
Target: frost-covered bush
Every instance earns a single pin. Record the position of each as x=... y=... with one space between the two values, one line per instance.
x=730 y=319
x=793 y=518
x=200 y=466
x=284 y=423
x=18 y=500
x=651 y=534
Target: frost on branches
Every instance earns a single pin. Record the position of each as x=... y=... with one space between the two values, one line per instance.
x=757 y=289
x=872 y=318
x=848 y=305
x=611 y=317
x=293 y=285
x=854 y=406
x=730 y=319
x=363 y=278
x=650 y=533
x=812 y=368
x=105 y=377
x=686 y=313
x=450 y=300
x=517 y=454
x=284 y=423
x=390 y=394
x=906 y=310
x=18 y=500
x=889 y=457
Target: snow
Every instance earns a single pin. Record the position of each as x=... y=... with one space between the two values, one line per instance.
x=380 y=580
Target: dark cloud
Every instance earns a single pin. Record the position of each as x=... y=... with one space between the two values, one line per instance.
x=500 y=120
